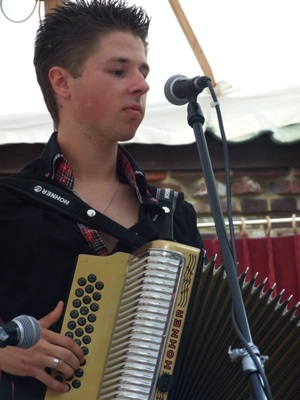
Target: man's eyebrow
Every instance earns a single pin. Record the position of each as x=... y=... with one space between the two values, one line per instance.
x=122 y=60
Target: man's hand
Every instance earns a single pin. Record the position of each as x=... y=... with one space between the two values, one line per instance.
x=33 y=361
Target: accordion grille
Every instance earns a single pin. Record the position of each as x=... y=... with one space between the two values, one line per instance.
x=141 y=325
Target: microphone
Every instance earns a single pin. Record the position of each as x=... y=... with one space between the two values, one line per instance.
x=180 y=90
x=22 y=331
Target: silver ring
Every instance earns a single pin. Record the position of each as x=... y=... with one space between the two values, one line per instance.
x=55 y=363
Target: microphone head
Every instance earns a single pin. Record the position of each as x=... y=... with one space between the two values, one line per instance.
x=29 y=329
x=169 y=93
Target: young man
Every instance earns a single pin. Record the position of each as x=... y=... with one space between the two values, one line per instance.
x=91 y=64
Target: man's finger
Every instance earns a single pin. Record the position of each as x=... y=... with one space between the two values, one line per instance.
x=53 y=316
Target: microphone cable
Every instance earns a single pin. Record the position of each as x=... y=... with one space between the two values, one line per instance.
x=232 y=244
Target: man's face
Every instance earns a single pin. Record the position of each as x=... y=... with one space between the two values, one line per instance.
x=108 y=99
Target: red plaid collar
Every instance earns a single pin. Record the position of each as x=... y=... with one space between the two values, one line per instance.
x=63 y=173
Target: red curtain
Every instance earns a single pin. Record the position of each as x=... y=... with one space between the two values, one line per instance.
x=274 y=258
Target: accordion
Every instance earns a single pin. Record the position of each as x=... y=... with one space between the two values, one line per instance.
x=127 y=311
x=156 y=325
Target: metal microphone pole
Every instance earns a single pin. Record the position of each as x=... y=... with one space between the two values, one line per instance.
x=196 y=120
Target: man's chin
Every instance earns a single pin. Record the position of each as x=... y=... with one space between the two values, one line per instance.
x=127 y=138
x=128 y=135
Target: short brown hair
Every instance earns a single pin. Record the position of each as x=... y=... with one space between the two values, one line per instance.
x=67 y=37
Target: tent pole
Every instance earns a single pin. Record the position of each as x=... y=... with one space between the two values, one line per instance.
x=187 y=29
x=50 y=4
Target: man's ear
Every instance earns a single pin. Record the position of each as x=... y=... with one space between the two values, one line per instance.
x=59 y=78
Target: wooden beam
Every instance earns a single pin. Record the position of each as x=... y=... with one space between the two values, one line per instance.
x=51 y=4
x=191 y=37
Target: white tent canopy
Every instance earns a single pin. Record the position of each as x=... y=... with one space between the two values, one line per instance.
x=250 y=46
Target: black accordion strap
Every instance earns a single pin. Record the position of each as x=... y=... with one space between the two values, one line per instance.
x=63 y=201
x=167 y=199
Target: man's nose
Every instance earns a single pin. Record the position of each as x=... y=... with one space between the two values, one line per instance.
x=140 y=84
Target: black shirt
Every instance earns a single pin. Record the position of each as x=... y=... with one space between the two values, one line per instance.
x=39 y=246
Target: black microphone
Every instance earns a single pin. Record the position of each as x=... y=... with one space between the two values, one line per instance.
x=22 y=331
x=180 y=90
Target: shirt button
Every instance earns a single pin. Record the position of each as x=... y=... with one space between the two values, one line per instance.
x=89 y=237
x=62 y=167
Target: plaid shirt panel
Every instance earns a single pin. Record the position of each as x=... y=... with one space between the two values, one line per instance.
x=63 y=174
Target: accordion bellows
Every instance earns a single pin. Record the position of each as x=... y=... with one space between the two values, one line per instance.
x=134 y=312
x=207 y=370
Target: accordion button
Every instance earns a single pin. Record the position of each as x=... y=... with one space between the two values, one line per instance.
x=94 y=307
x=84 y=310
x=59 y=378
x=87 y=299
x=79 y=292
x=76 y=384
x=71 y=325
x=81 y=281
x=91 y=212
x=86 y=339
x=76 y=303
x=99 y=285
x=97 y=296
x=92 y=278
x=92 y=318
x=89 y=288
x=79 y=373
x=81 y=321
x=89 y=329
x=79 y=332
x=74 y=314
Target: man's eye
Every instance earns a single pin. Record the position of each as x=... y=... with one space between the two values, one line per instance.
x=118 y=72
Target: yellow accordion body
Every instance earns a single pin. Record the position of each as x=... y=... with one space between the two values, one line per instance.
x=128 y=312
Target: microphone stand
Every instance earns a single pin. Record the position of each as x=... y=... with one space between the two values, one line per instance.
x=196 y=120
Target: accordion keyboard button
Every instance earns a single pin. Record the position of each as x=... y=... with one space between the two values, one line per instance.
x=81 y=321
x=76 y=303
x=87 y=299
x=94 y=307
x=89 y=289
x=86 y=339
x=92 y=278
x=92 y=318
x=89 y=329
x=79 y=292
x=79 y=373
x=84 y=310
x=97 y=296
x=99 y=285
x=74 y=314
x=71 y=325
x=79 y=332
x=76 y=384
x=81 y=281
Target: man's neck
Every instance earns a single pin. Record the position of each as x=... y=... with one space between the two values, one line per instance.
x=90 y=160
